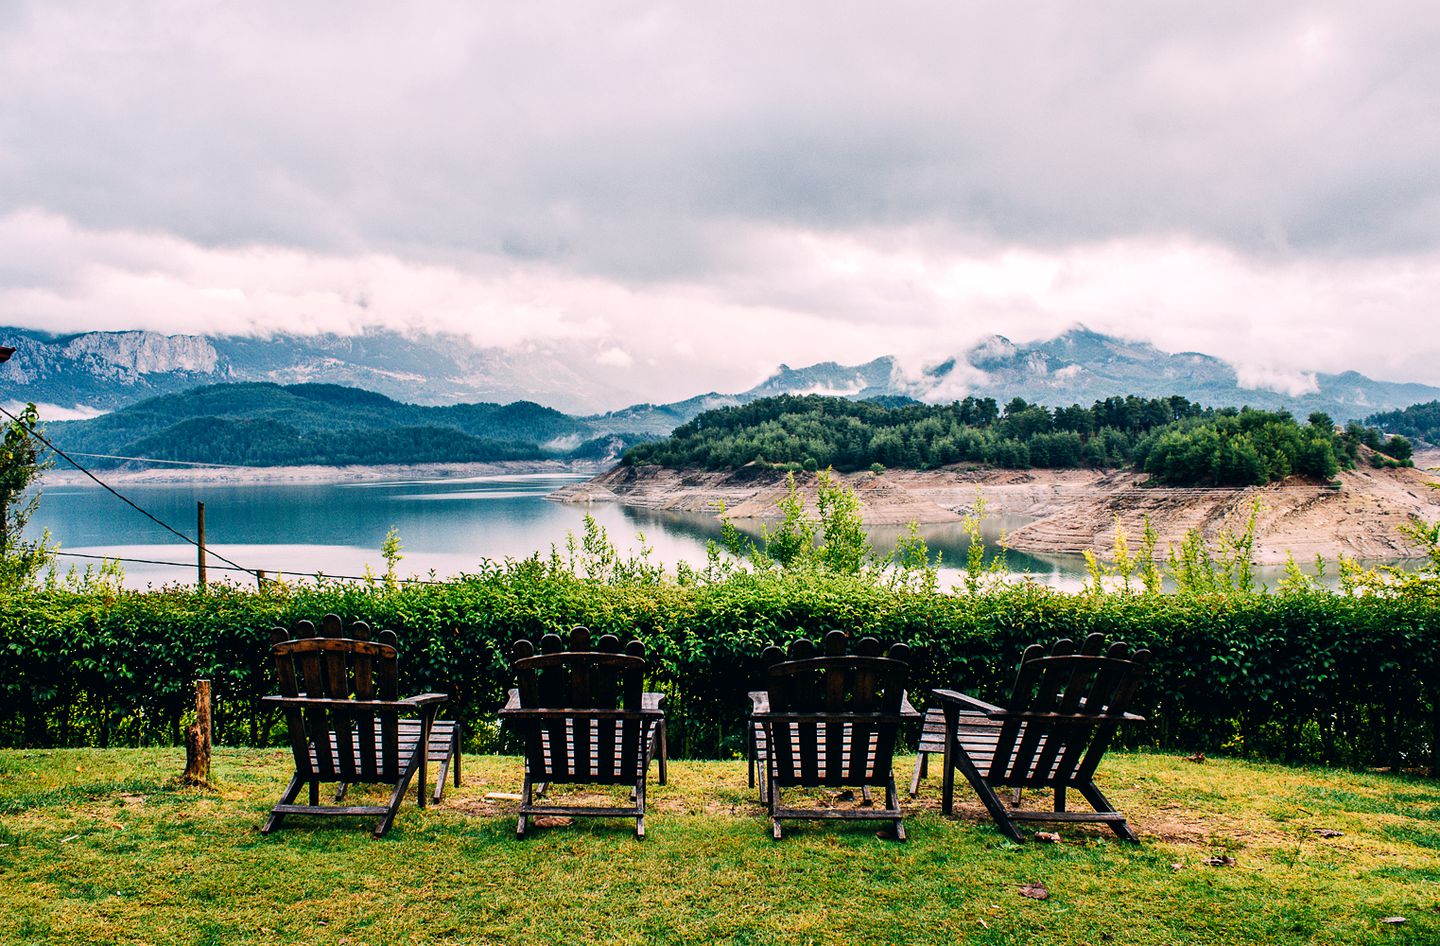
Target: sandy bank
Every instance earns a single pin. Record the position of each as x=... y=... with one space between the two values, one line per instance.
x=1073 y=510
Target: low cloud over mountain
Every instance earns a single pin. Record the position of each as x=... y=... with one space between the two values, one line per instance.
x=101 y=370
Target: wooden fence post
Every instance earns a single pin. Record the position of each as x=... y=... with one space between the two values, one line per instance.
x=197 y=738
x=200 y=548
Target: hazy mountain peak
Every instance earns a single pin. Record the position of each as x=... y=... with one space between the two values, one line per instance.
x=107 y=370
x=1082 y=366
x=993 y=350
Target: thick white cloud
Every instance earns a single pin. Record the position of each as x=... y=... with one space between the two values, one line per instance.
x=709 y=190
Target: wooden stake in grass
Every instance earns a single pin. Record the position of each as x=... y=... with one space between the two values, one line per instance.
x=197 y=739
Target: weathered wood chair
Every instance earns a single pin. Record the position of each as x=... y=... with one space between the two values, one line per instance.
x=1061 y=716
x=584 y=718
x=828 y=719
x=340 y=698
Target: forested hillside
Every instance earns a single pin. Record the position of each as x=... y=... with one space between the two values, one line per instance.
x=1418 y=421
x=1176 y=441
x=260 y=424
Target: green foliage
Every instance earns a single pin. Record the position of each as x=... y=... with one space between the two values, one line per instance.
x=854 y=435
x=1418 y=421
x=1342 y=678
x=390 y=550
x=1178 y=442
x=21 y=560
x=1239 y=448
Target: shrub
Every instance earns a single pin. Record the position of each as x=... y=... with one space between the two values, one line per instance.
x=1303 y=674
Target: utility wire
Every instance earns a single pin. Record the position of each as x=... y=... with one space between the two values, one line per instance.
x=279 y=574
x=270 y=574
x=111 y=456
x=109 y=489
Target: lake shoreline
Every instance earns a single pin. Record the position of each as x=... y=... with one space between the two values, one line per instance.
x=259 y=475
x=1071 y=510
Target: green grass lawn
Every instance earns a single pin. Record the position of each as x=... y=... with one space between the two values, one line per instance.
x=102 y=846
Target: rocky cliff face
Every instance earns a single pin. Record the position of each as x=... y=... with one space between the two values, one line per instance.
x=125 y=356
x=106 y=369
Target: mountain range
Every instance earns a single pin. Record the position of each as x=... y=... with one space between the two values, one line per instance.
x=1081 y=367
x=103 y=371
x=100 y=371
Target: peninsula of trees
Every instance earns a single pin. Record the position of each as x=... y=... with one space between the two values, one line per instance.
x=1176 y=441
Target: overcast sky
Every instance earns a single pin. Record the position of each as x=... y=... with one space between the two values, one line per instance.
x=691 y=193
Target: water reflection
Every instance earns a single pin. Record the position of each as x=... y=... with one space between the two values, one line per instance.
x=446 y=526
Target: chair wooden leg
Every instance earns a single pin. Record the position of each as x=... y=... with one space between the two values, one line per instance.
x=1059 y=797
x=750 y=753
x=440 y=775
x=770 y=793
x=455 y=754
x=947 y=779
x=664 y=750
x=892 y=802
x=527 y=796
x=396 y=798
x=987 y=795
x=424 y=750
x=1100 y=803
x=340 y=791
x=315 y=792
x=291 y=791
x=640 y=808
x=919 y=774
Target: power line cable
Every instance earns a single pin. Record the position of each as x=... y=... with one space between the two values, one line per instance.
x=270 y=574
x=111 y=490
x=111 y=456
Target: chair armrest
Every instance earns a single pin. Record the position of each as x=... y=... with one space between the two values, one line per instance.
x=328 y=703
x=821 y=716
x=560 y=712
x=966 y=701
x=760 y=704
x=1039 y=717
x=425 y=699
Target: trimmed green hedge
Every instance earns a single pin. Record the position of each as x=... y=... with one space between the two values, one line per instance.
x=1314 y=675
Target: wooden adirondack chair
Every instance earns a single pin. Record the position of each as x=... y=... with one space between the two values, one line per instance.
x=340 y=698
x=829 y=720
x=1051 y=733
x=584 y=718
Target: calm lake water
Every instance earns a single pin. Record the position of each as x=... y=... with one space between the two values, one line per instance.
x=446 y=525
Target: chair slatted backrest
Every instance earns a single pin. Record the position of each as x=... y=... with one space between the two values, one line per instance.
x=592 y=730
x=355 y=743
x=1065 y=708
x=850 y=709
